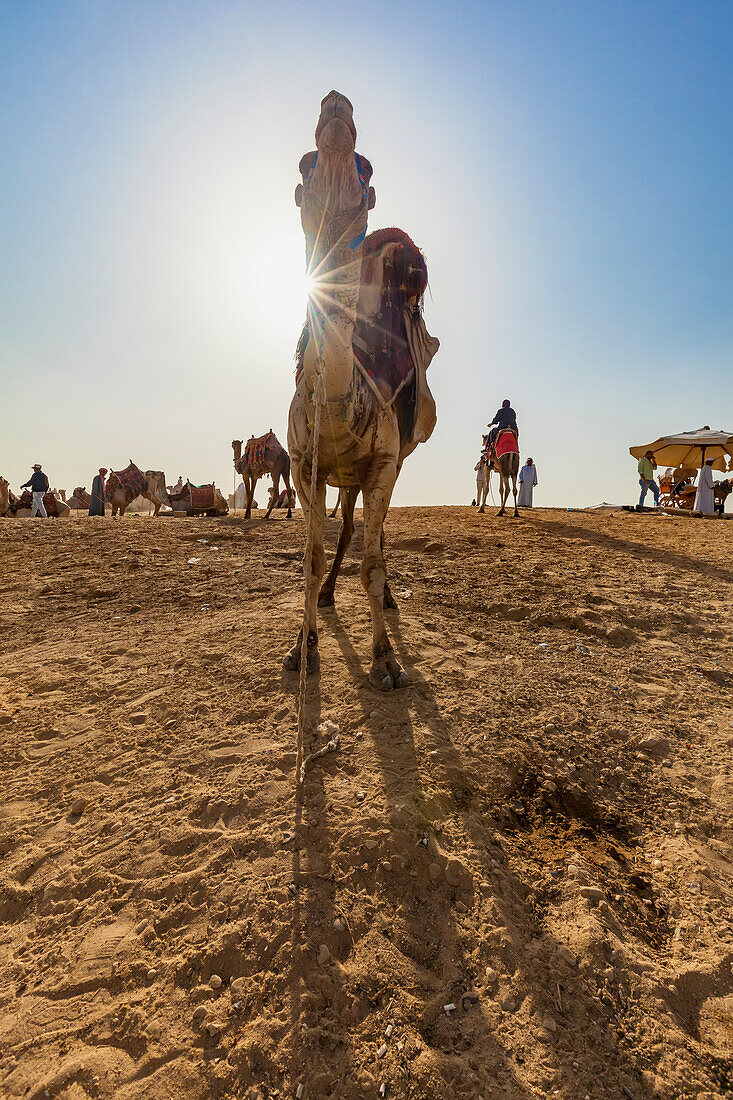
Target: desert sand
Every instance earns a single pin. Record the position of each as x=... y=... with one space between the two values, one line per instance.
x=537 y=831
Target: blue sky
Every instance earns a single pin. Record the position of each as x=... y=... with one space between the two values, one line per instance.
x=566 y=167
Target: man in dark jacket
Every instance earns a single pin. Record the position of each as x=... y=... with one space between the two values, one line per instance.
x=38 y=485
x=505 y=418
x=96 y=500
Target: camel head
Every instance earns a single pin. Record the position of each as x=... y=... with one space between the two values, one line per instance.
x=335 y=196
x=237 y=448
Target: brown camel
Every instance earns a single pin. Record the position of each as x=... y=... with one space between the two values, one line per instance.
x=508 y=467
x=79 y=499
x=363 y=356
x=4 y=496
x=124 y=486
x=264 y=455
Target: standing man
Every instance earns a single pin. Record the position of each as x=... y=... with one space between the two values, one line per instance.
x=705 y=495
x=527 y=482
x=647 y=466
x=96 y=500
x=38 y=485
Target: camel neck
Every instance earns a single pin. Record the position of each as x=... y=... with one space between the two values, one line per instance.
x=335 y=299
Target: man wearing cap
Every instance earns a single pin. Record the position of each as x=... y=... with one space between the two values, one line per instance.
x=38 y=485
x=647 y=466
x=96 y=500
x=505 y=418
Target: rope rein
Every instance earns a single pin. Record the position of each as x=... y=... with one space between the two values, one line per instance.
x=319 y=400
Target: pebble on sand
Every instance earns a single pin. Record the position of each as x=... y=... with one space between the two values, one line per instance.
x=567 y=955
x=593 y=894
x=323 y=955
x=78 y=805
x=152 y=975
x=215 y=981
x=199 y=1013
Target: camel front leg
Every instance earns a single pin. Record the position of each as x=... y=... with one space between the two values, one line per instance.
x=251 y=484
x=313 y=576
x=514 y=490
x=385 y=672
x=504 y=493
x=326 y=595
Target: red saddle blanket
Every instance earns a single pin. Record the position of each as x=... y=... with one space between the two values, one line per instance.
x=132 y=479
x=200 y=498
x=506 y=443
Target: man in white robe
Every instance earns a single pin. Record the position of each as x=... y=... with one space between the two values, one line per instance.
x=527 y=482
x=705 y=496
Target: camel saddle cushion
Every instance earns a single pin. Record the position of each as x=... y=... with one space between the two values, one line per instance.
x=506 y=443
x=132 y=480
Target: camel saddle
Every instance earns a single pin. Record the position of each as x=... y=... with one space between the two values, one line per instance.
x=260 y=452
x=26 y=501
x=197 y=498
x=506 y=442
x=393 y=350
x=132 y=479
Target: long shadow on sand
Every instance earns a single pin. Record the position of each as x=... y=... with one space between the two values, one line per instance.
x=671 y=558
x=439 y=924
x=432 y=936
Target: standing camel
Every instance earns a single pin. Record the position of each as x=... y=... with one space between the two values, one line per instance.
x=505 y=458
x=124 y=486
x=264 y=455
x=362 y=356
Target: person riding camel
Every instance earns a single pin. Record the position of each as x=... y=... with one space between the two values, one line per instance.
x=505 y=418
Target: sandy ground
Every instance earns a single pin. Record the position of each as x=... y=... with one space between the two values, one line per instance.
x=538 y=830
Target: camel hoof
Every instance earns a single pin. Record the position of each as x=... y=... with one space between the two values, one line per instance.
x=386 y=674
x=516 y=515
x=291 y=660
x=481 y=510
x=326 y=598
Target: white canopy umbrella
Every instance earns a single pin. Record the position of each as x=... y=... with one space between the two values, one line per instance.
x=691 y=449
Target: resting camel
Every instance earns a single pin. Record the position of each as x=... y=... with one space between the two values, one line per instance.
x=4 y=496
x=124 y=486
x=20 y=507
x=363 y=355
x=264 y=455
x=79 y=499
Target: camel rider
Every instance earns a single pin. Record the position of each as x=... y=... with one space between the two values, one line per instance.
x=505 y=418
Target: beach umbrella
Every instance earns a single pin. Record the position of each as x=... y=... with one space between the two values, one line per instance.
x=691 y=449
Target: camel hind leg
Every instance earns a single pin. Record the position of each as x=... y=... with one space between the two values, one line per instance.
x=275 y=494
x=514 y=491
x=326 y=595
x=286 y=479
x=386 y=672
